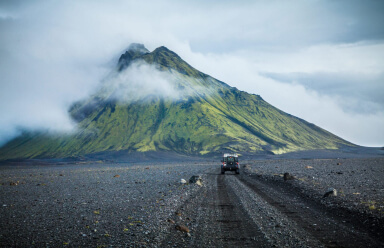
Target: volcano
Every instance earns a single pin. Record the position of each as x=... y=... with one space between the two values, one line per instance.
x=156 y=102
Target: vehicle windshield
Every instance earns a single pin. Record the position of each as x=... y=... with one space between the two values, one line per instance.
x=231 y=159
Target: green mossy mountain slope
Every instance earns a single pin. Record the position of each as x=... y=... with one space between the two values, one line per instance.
x=208 y=116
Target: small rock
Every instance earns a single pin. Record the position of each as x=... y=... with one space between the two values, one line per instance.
x=309 y=167
x=14 y=183
x=171 y=221
x=195 y=179
x=182 y=228
x=182 y=181
x=330 y=192
x=288 y=176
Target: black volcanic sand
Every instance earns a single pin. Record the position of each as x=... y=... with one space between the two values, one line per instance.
x=359 y=182
x=128 y=205
x=90 y=205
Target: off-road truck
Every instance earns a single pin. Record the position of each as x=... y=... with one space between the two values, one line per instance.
x=230 y=162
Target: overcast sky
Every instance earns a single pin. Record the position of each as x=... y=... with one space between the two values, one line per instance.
x=322 y=61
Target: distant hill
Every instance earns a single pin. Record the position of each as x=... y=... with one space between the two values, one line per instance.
x=197 y=115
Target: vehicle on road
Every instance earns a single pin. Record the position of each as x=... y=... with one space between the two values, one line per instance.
x=230 y=162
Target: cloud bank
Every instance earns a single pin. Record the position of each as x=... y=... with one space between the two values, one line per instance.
x=141 y=81
x=322 y=61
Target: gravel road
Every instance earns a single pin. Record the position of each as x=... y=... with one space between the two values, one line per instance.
x=146 y=205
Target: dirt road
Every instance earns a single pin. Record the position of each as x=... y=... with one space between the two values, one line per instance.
x=250 y=211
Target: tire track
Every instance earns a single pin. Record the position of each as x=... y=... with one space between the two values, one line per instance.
x=331 y=227
x=277 y=228
x=236 y=227
x=218 y=219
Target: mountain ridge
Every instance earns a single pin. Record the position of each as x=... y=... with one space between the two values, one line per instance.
x=206 y=117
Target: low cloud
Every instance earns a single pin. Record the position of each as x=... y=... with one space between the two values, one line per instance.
x=37 y=94
x=142 y=81
x=355 y=92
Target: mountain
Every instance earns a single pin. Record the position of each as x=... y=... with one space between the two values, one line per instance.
x=156 y=102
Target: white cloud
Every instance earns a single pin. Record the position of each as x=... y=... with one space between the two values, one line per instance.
x=141 y=80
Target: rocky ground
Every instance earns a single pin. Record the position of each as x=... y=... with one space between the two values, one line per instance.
x=358 y=182
x=146 y=205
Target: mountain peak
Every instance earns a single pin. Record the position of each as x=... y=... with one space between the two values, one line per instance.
x=165 y=52
x=167 y=60
x=162 y=48
x=134 y=50
x=137 y=47
x=164 y=58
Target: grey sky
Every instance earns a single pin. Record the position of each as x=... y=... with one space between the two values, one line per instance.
x=322 y=61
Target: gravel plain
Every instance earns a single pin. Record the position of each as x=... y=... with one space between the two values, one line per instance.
x=145 y=205
x=90 y=205
x=359 y=182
